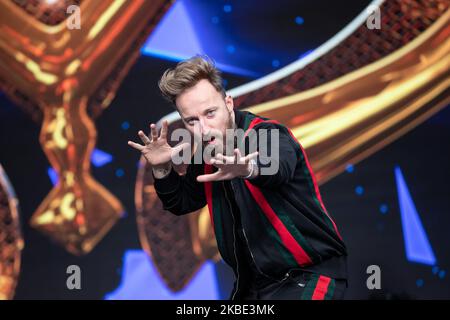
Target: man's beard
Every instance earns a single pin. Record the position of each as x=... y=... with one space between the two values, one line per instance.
x=222 y=146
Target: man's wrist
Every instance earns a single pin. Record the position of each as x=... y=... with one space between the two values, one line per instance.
x=253 y=170
x=160 y=172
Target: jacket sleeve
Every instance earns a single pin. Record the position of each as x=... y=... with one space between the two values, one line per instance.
x=181 y=194
x=286 y=157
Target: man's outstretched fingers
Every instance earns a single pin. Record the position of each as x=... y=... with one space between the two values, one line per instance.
x=143 y=137
x=251 y=156
x=153 y=131
x=217 y=163
x=225 y=159
x=219 y=159
x=164 y=130
x=209 y=177
x=136 y=145
x=238 y=157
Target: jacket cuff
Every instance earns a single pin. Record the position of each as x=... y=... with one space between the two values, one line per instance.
x=259 y=180
x=167 y=184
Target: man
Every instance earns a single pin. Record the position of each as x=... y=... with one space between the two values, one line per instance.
x=272 y=229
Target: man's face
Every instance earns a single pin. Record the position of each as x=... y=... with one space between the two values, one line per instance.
x=205 y=113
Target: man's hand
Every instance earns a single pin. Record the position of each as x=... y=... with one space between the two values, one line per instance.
x=229 y=167
x=157 y=151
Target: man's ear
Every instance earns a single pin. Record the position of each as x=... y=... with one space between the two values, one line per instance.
x=229 y=103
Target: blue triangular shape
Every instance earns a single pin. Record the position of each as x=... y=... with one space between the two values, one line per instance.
x=100 y=158
x=161 y=42
x=418 y=248
x=52 y=175
x=141 y=281
x=175 y=39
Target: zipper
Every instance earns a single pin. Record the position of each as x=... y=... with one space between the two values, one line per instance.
x=248 y=246
x=251 y=253
x=253 y=258
x=234 y=241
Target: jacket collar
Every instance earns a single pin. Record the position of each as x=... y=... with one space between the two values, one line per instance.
x=239 y=118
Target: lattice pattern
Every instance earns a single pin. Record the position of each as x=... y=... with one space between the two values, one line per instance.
x=48 y=13
x=11 y=244
x=165 y=234
x=401 y=21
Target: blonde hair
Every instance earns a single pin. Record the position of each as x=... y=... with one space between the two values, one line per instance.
x=187 y=74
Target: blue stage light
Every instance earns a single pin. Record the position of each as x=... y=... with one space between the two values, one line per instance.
x=52 y=175
x=349 y=168
x=435 y=269
x=227 y=8
x=120 y=173
x=299 y=20
x=417 y=246
x=141 y=281
x=419 y=283
x=383 y=208
x=231 y=49
x=125 y=125
x=99 y=158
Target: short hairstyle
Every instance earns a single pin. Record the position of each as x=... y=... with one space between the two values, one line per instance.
x=187 y=74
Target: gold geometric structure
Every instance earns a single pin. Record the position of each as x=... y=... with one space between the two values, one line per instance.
x=11 y=241
x=66 y=77
x=352 y=96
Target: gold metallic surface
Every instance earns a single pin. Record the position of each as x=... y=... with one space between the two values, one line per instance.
x=11 y=241
x=60 y=70
x=350 y=118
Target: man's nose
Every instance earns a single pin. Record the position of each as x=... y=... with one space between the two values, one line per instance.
x=204 y=128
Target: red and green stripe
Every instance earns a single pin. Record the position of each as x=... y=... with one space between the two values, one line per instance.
x=278 y=223
x=319 y=287
x=288 y=240
x=315 y=187
x=280 y=209
x=307 y=170
x=214 y=207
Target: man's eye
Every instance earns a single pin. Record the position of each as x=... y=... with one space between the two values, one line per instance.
x=211 y=113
